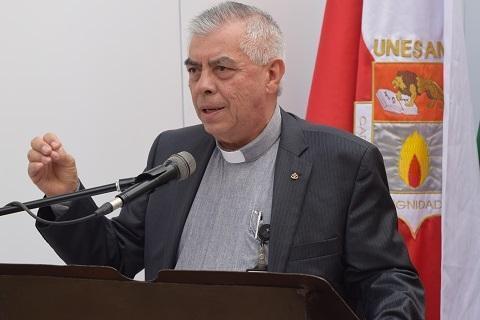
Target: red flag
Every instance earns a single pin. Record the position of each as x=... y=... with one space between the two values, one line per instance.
x=335 y=77
x=343 y=75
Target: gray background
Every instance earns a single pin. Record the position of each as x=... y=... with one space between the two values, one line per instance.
x=107 y=77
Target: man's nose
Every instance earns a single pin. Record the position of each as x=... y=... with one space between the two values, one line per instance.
x=206 y=83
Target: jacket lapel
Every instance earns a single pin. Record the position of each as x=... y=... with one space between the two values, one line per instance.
x=201 y=149
x=292 y=173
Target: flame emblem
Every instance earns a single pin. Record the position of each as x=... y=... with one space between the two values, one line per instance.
x=414 y=164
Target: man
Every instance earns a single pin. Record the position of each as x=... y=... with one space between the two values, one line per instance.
x=323 y=192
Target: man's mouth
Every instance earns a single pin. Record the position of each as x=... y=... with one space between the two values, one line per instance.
x=211 y=110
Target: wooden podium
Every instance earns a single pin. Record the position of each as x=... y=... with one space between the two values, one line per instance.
x=79 y=292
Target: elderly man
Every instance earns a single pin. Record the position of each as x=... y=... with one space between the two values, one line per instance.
x=323 y=192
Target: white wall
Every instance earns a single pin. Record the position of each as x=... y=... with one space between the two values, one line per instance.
x=106 y=76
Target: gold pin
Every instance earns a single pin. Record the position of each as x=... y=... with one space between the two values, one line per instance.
x=294 y=176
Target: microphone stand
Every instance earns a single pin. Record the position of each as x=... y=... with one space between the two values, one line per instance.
x=119 y=186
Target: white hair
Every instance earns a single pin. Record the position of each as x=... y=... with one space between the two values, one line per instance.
x=263 y=39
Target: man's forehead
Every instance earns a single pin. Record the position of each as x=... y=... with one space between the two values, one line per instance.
x=224 y=40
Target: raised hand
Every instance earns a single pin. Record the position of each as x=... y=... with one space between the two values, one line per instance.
x=50 y=167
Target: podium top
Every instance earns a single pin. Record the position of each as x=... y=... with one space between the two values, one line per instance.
x=174 y=294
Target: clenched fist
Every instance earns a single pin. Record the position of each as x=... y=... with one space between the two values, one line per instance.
x=50 y=167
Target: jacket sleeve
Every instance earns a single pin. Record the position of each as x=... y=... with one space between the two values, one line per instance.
x=378 y=271
x=116 y=242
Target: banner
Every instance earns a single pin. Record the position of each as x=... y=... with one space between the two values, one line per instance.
x=396 y=73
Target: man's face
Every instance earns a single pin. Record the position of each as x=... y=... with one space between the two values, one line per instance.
x=230 y=93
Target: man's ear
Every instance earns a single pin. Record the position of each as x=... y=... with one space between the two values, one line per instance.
x=275 y=71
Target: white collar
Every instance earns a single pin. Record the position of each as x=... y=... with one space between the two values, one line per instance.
x=258 y=146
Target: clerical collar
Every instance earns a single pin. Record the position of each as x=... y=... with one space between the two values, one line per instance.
x=258 y=146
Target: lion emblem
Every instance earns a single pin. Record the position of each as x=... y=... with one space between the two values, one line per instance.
x=412 y=85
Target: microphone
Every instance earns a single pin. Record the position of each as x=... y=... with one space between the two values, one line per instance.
x=178 y=166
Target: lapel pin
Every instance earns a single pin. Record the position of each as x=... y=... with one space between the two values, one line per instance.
x=294 y=176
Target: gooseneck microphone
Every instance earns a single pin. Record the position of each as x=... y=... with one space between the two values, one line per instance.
x=178 y=166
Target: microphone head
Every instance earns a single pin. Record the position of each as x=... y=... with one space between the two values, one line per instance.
x=185 y=163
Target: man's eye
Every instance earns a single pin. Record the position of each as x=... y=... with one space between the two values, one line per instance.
x=221 y=68
x=191 y=69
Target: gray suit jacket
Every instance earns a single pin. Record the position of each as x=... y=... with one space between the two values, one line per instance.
x=336 y=221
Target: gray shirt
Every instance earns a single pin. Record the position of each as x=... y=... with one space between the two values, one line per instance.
x=219 y=233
